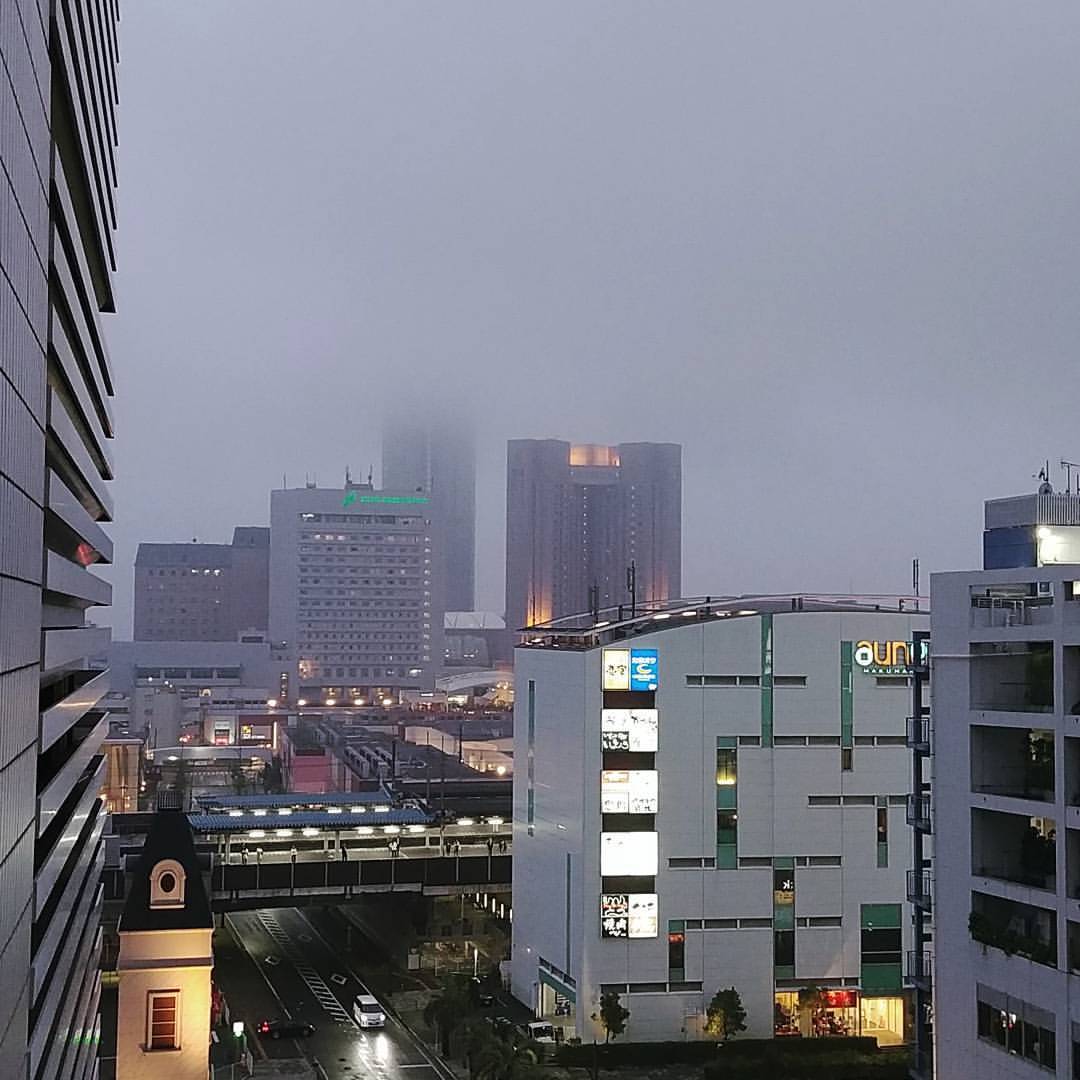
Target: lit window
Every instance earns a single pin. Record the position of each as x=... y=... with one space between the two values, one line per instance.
x=163 y=1020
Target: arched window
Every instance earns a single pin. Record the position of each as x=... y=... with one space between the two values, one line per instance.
x=167 y=884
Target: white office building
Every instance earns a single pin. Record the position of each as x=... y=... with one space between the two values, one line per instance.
x=713 y=794
x=1006 y=717
x=357 y=587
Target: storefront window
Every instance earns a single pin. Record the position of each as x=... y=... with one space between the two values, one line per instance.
x=883 y=1018
x=786 y=1013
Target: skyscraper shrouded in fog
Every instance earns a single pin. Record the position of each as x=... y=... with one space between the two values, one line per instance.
x=57 y=215
x=437 y=454
x=579 y=516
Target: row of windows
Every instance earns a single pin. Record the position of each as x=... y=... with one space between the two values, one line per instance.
x=1009 y=1029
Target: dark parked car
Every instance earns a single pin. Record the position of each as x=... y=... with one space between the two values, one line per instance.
x=286 y=1029
x=480 y=995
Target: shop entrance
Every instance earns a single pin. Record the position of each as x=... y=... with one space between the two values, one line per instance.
x=558 y=1006
x=818 y=1013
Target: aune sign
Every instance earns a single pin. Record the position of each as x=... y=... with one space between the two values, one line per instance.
x=885 y=657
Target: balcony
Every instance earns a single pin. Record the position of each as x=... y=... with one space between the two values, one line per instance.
x=920 y=889
x=918 y=734
x=1015 y=762
x=1016 y=929
x=1012 y=676
x=918 y=812
x=1015 y=848
x=991 y=612
x=919 y=968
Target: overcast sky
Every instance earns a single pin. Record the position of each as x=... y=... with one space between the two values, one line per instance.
x=831 y=248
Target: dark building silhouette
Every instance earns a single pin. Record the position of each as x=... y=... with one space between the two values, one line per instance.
x=203 y=592
x=437 y=454
x=577 y=516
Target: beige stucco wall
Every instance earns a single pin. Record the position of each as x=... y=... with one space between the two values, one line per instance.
x=164 y=960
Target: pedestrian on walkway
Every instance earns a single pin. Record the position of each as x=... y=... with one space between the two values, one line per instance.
x=344 y=852
x=243 y=855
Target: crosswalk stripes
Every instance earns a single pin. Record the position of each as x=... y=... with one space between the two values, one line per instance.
x=312 y=979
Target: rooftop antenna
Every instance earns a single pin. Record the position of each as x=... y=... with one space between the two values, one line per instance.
x=348 y=478
x=915 y=584
x=1068 y=466
x=370 y=475
x=1045 y=488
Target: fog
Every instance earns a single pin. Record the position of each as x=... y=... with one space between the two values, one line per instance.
x=830 y=248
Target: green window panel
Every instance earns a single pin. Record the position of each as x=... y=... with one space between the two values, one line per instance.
x=766 y=680
x=880 y=916
x=847 y=694
x=876 y=977
x=727 y=857
x=882 y=855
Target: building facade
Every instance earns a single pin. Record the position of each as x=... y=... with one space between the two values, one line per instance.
x=58 y=100
x=715 y=795
x=203 y=592
x=437 y=454
x=1006 y=724
x=579 y=517
x=357 y=585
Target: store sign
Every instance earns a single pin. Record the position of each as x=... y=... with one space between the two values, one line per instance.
x=628 y=915
x=629 y=791
x=840 y=999
x=629 y=854
x=887 y=657
x=631 y=669
x=644 y=666
x=636 y=730
x=616 y=669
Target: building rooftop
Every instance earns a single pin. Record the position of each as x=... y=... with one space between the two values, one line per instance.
x=1041 y=508
x=583 y=631
x=191 y=554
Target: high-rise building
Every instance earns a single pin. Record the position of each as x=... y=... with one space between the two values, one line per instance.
x=578 y=518
x=203 y=592
x=714 y=795
x=57 y=214
x=1005 y=712
x=357 y=579
x=437 y=455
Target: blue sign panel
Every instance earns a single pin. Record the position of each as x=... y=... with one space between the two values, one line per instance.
x=644 y=666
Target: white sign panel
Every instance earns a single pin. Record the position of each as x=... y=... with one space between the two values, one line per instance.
x=629 y=854
x=629 y=791
x=616 y=669
x=630 y=729
x=628 y=915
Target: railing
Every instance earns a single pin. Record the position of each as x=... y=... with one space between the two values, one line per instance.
x=920 y=889
x=920 y=968
x=918 y=812
x=918 y=734
x=986 y=931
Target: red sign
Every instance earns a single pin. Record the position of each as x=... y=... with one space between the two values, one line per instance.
x=841 y=999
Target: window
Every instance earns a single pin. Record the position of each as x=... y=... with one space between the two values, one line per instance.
x=163 y=1020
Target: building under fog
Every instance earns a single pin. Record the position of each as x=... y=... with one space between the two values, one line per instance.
x=578 y=518
x=357 y=585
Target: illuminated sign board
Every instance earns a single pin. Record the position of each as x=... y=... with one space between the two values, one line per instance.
x=644 y=664
x=629 y=854
x=629 y=791
x=352 y=497
x=630 y=729
x=887 y=657
x=616 y=669
x=630 y=669
x=628 y=915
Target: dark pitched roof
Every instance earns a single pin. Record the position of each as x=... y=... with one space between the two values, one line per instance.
x=169 y=838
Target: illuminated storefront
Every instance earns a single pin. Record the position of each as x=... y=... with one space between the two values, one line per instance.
x=817 y=1013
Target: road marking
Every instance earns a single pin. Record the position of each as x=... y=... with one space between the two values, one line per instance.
x=339 y=979
x=312 y=979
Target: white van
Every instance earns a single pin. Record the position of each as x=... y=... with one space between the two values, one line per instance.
x=541 y=1031
x=367 y=1012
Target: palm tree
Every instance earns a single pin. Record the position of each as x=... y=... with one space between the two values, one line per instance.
x=499 y=1060
x=448 y=1012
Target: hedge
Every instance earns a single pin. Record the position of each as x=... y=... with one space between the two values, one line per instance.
x=612 y=1055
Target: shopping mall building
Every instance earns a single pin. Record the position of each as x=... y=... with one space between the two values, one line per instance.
x=713 y=794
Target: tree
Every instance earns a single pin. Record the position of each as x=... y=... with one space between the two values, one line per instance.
x=613 y=1016
x=725 y=1015
x=448 y=1011
x=496 y=1059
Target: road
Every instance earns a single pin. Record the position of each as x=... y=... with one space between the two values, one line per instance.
x=313 y=983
